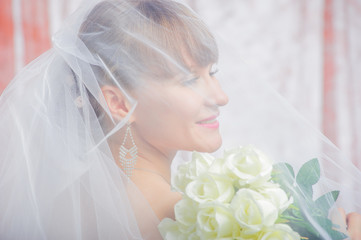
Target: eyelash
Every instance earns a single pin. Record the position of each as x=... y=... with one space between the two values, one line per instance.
x=213 y=71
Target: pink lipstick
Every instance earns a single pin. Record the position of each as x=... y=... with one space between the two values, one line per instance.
x=210 y=122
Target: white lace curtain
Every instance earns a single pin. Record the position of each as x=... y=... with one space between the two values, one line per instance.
x=310 y=51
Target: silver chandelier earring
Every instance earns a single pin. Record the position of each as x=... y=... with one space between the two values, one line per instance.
x=128 y=156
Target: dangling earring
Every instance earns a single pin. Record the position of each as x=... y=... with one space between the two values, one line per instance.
x=128 y=156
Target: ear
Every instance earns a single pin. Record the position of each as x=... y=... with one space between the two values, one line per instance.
x=118 y=104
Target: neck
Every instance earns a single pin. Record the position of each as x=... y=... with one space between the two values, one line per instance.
x=159 y=163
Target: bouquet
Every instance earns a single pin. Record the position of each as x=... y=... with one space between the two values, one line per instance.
x=244 y=196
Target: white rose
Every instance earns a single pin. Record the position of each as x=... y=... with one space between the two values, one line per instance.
x=279 y=231
x=253 y=211
x=189 y=171
x=193 y=236
x=217 y=166
x=210 y=187
x=169 y=230
x=186 y=215
x=216 y=221
x=248 y=165
x=276 y=195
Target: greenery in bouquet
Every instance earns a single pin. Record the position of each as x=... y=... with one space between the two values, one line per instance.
x=242 y=195
x=309 y=217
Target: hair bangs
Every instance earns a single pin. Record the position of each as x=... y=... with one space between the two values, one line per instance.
x=176 y=33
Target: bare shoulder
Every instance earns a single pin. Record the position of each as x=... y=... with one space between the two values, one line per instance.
x=159 y=195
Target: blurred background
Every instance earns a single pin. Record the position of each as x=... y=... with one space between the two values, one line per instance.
x=309 y=51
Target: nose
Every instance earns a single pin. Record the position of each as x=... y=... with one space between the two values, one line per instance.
x=215 y=94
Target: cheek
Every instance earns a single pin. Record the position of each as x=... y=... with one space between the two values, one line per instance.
x=185 y=107
x=168 y=117
x=149 y=113
x=169 y=111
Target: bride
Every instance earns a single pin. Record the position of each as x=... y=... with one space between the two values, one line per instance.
x=90 y=129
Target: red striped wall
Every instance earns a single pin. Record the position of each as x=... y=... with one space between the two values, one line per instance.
x=35 y=23
x=35 y=33
x=6 y=43
x=329 y=119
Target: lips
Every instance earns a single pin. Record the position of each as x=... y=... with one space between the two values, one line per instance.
x=210 y=122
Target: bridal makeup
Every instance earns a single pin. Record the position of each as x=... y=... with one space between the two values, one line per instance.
x=210 y=122
x=174 y=116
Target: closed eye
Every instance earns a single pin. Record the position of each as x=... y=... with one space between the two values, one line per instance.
x=193 y=79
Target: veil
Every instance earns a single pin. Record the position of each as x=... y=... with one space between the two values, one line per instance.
x=59 y=173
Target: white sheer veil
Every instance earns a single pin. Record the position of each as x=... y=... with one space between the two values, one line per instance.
x=58 y=175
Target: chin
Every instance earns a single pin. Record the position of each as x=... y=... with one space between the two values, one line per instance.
x=210 y=146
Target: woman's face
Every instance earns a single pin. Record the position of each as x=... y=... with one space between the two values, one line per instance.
x=181 y=114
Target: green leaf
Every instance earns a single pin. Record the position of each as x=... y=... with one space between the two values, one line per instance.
x=327 y=225
x=283 y=168
x=305 y=229
x=326 y=201
x=308 y=175
x=306 y=216
x=284 y=175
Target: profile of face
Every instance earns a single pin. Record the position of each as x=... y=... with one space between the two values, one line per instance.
x=163 y=55
x=181 y=114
